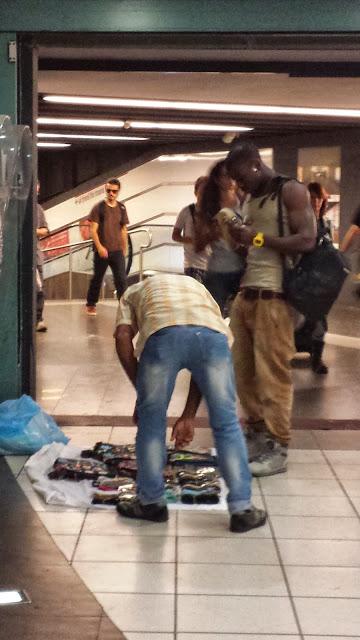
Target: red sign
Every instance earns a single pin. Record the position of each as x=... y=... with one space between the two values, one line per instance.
x=58 y=239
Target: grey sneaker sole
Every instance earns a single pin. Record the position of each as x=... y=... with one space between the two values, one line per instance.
x=264 y=473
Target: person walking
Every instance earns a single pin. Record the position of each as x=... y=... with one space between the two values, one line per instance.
x=109 y=233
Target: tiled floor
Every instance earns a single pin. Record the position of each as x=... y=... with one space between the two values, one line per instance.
x=79 y=373
x=191 y=579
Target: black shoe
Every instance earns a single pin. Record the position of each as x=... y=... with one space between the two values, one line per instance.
x=319 y=367
x=246 y=520
x=154 y=512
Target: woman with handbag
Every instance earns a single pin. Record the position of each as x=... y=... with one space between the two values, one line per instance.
x=309 y=337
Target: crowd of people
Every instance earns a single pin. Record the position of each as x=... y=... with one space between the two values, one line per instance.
x=233 y=266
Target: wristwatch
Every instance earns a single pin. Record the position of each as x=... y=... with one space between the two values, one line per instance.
x=258 y=240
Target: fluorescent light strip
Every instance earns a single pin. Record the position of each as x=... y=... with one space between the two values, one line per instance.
x=53 y=144
x=79 y=122
x=80 y=136
x=169 y=126
x=205 y=106
x=183 y=126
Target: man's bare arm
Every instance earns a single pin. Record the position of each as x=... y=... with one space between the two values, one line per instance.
x=124 y=335
x=302 y=223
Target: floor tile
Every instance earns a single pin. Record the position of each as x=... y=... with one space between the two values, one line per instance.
x=125 y=549
x=236 y=614
x=332 y=553
x=328 y=616
x=87 y=437
x=275 y=486
x=96 y=523
x=62 y=523
x=338 y=440
x=218 y=579
x=66 y=544
x=347 y=471
x=215 y=525
x=309 y=506
x=139 y=612
x=352 y=488
x=324 y=582
x=236 y=550
x=357 y=637
x=127 y=577
x=343 y=457
x=234 y=636
x=16 y=463
x=316 y=528
x=148 y=636
x=305 y=456
x=307 y=470
x=356 y=503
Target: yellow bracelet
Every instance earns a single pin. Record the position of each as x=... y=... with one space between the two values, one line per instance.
x=258 y=240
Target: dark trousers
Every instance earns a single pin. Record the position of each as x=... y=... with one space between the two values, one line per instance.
x=116 y=262
x=223 y=286
x=40 y=296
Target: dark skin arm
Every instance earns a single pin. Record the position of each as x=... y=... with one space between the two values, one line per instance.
x=124 y=335
x=183 y=429
x=302 y=223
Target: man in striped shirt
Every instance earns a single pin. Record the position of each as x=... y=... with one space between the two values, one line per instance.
x=180 y=327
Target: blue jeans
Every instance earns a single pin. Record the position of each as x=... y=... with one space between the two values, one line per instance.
x=206 y=354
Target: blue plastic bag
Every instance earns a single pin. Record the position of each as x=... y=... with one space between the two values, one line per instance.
x=25 y=427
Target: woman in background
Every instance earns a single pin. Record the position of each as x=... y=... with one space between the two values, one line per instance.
x=310 y=335
x=226 y=265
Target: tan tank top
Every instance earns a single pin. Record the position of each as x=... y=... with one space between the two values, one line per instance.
x=264 y=265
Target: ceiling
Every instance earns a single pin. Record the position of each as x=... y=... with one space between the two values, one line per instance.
x=252 y=70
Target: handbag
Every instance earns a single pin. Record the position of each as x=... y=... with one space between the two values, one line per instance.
x=314 y=282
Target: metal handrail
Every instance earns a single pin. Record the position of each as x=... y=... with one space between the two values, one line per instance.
x=87 y=243
x=172 y=183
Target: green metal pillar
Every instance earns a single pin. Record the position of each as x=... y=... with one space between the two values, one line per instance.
x=10 y=370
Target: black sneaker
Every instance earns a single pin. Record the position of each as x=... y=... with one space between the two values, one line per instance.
x=154 y=512
x=248 y=519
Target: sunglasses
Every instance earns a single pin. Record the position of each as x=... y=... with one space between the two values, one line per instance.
x=112 y=190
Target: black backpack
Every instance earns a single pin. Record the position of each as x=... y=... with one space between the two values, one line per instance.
x=312 y=285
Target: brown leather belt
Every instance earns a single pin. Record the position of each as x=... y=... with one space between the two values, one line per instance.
x=249 y=293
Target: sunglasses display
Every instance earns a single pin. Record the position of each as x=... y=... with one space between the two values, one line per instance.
x=112 y=190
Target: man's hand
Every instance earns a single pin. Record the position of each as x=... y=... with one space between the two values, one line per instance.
x=183 y=432
x=103 y=252
x=245 y=235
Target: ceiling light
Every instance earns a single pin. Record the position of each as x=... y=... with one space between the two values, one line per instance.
x=82 y=122
x=80 y=136
x=53 y=144
x=187 y=126
x=13 y=596
x=169 y=126
x=206 y=106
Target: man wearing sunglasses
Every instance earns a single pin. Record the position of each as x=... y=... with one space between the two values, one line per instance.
x=108 y=230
